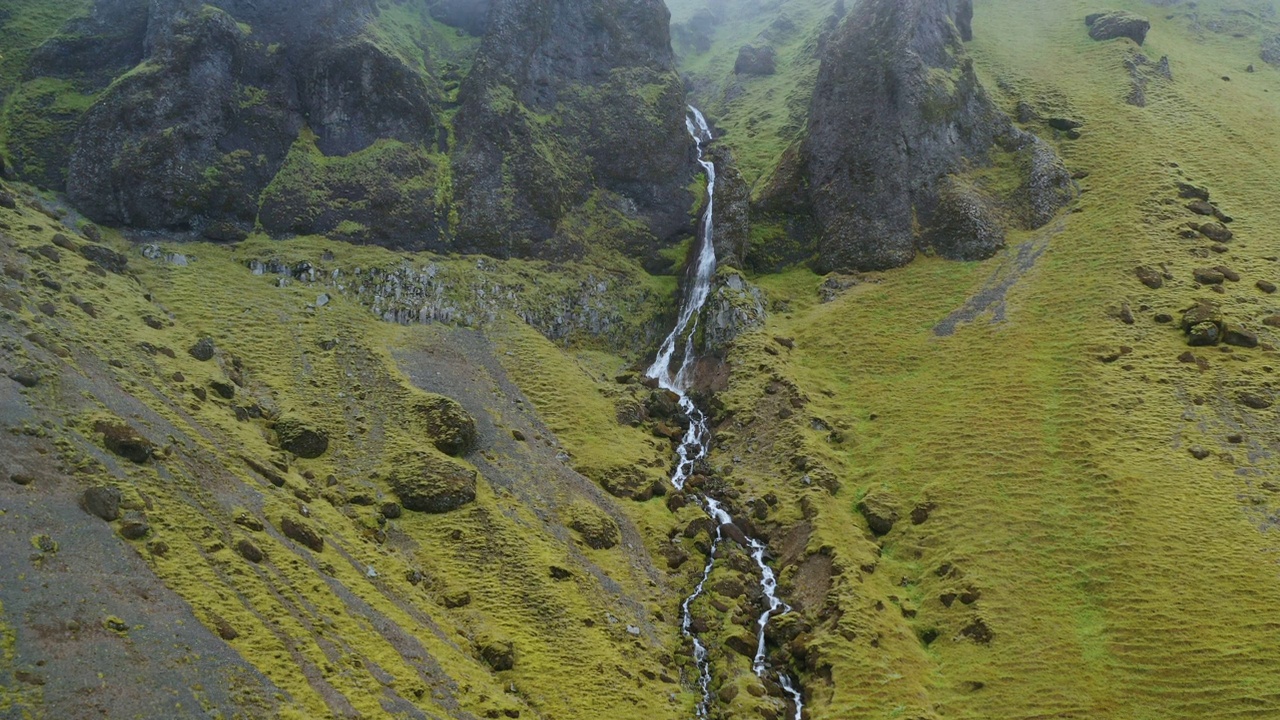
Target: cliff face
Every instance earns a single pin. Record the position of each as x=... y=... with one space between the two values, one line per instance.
x=902 y=143
x=325 y=117
x=573 y=112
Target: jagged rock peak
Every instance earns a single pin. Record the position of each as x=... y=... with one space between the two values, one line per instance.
x=897 y=124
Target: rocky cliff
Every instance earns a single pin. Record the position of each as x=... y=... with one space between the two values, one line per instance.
x=904 y=151
x=572 y=113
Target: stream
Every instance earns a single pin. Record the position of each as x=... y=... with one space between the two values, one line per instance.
x=695 y=444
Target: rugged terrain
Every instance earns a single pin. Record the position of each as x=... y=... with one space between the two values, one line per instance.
x=274 y=446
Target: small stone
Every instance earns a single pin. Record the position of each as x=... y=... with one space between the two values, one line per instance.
x=106 y=258
x=456 y=599
x=124 y=441
x=559 y=573
x=50 y=253
x=64 y=242
x=21 y=479
x=517 y=436
x=225 y=390
x=203 y=349
x=1163 y=318
x=134 y=526
x=1204 y=334
x=1198 y=452
x=1200 y=207
x=1266 y=287
x=298 y=530
x=391 y=510
x=301 y=438
x=1216 y=232
x=1126 y=314
x=1254 y=400
x=1228 y=273
x=102 y=501
x=1235 y=438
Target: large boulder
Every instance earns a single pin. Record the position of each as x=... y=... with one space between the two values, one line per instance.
x=452 y=429
x=123 y=440
x=755 y=61
x=1118 y=24
x=597 y=529
x=300 y=437
x=905 y=150
x=430 y=483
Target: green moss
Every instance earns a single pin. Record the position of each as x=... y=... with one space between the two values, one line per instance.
x=37 y=123
x=28 y=24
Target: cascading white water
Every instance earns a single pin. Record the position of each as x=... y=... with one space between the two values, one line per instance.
x=695 y=444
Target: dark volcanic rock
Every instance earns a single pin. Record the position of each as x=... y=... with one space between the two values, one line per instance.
x=301 y=438
x=1149 y=277
x=1216 y=232
x=1118 y=24
x=124 y=441
x=298 y=530
x=880 y=510
x=1240 y=337
x=429 y=483
x=755 y=61
x=102 y=501
x=203 y=349
x=587 y=65
x=897 y=120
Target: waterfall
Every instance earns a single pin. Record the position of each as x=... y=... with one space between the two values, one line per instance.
x=695 y=444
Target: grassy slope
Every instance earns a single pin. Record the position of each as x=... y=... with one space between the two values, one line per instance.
x=1120 y=577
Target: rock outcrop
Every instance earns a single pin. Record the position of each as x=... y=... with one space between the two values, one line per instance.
x=905 y=151
x=430 y=483
x=1117 y=24
x=560 y=96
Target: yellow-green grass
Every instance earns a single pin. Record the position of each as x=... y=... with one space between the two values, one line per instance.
x=1120 y=576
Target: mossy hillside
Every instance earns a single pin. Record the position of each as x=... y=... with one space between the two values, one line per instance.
x=316 y=623
x=1059 y=477
x=39 y=120
x=25 y=26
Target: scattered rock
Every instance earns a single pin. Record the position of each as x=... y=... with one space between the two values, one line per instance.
x=298 y=530
x=978 y=632
x=1163 y=318
x=105 y=258
x=559 y=573
x=456 y=599
x=223 y=231
x=878 y=506
x=1240 y=337
x=1272 y=321
x=249 y=551
x=920 y=513
x=1149 y=277
x=1064 y=124
x=1200 y=207
x=124 y=441
x=1254 y=400
x=26 y=376
x=203 y=349
x=1126 y=314
x=452 y=429
x=102 y=501
x=391 y=510
x=598 y=530
x=1216 y=232
x=1207 y=276
x=755 y=61
x=1204 y=334
x=134 y=526
x=1118 y=24
x=22 y=479
x=497 y=654
x=64 y=242
x=50 y=253
x=1198 y=452
x=425 y=482
x=1228 y=273
x=1266 y=287
x=300 y=437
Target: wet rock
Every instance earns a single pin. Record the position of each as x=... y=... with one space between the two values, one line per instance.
x=1216 y=232
x=123 y=440
x=102 y=501
x=452 y=429
x=1118 y=24
x=301 y=437
x=1240 y=337
x=105 y=258
x=1149 y=277
x=598 y=530
x=249 y=551
x=298 y=530
x=755 y=61
x=1254 y=400
x=26 y=376
x=203 y=350
x=429 y=483
x=1207 y=276
x=879 y=508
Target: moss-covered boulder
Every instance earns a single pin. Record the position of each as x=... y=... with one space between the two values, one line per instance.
x=300 y=531
x=597 y=529
x=880 y=509
x=301 y=437
x=121 y=439
x=427 y=482
x=452 y=429
x=1118 y=24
